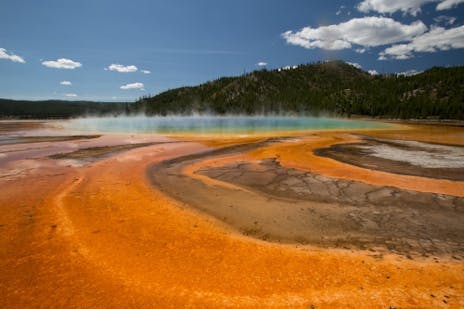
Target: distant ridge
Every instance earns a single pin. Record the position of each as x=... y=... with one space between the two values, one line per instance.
x=50 y=109
x=333 y=87
x=330 y=88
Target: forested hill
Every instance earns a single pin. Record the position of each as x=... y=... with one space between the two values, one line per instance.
x=58 y=109
x=327 y=87
x=335 y=88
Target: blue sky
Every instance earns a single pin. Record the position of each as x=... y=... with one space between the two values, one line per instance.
x=112 y=50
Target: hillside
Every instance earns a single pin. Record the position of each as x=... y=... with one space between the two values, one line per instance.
x=327 y=87
x=335 y=88
x=58 y=109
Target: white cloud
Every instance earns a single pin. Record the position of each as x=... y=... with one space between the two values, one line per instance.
x=365 y=32
x=409 y=73
x=15 y=58
x=448 y=4
x=437 y=39
x=71 y=95
x=62 y=63
x=261 y=64
x=354 y=64
x=382 y=56
x=66 y=83
x=446 y=20
x=412 y=7
x=145 y=71
x=122 y=68
x=391 y=6
x=373 y=72
x=132 y=86
x=360 y=50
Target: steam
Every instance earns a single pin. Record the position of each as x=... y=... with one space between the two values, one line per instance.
x=205 y=124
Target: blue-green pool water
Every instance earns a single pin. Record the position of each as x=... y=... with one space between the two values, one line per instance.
x=214 y=124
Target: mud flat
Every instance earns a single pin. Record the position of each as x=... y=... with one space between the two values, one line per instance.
x=5 y=140
x=97 y=152
x=401 y=157
x=7 y=126
x=113 y=233
x=294 y=206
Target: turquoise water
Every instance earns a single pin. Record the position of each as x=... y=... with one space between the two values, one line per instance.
x=214 y=124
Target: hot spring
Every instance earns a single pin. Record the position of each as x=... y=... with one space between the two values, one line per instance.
x=214 y=124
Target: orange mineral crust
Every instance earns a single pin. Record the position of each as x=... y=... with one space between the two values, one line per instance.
x=441 y=134
x=102 y=236
x=300 y=154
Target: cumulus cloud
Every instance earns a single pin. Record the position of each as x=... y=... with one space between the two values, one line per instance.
x=412 y=7
x=15 y=58
x=437 y=39
x=448 y=4
x=62 y=63
x=71 y=95
x=364 y=32
x=66 y=83
x=122 y=68
x=373 y=72
x=261 y=64
x=145 y=71
x=391 y=6
x=132 y=86
x=354 y=64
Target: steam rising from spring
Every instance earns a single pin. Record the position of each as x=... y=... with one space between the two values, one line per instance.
x=212 y=124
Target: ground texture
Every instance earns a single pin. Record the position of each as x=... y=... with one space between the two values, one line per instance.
x=163 y=225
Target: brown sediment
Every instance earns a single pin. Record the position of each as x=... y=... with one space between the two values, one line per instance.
x=102 y=236
x=7 y=140
x=7 y=126
x=428 y=122
x=97 y=152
